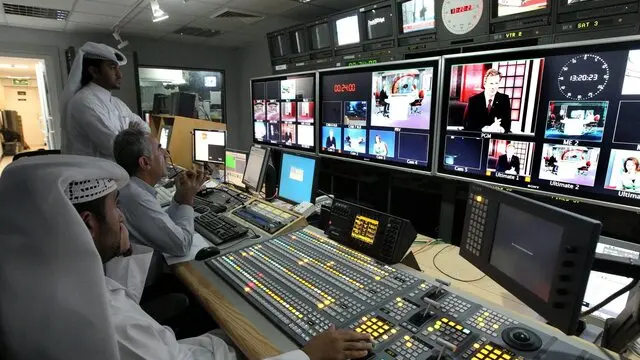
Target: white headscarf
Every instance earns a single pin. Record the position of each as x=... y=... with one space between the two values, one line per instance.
x=91 y=50
x=53 y=300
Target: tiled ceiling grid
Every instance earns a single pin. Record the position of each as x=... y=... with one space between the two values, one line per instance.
x=219 y=16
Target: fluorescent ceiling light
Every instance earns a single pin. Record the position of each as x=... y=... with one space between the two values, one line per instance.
x=13 y=66
x=158 y=14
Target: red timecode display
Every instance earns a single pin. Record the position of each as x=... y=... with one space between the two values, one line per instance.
x=461 y=9
x=340 y=88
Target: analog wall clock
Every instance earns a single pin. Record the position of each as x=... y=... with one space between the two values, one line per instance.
x=461 y=16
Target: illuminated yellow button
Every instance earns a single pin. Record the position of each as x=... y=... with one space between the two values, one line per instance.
x=493 y=356
x=369 y=323
x=475 y=358
x=375 y=327
x=379 y=323
x=480 y=356
x=386 y=327
x=476 y=345
x=378 y=277
x=406 y=337
x=393 y=331
x=488 y=347
x=445 y=320
x=458 y=327
x=486 y=314
x=398 y=299
x=497 y=352
x=300 y=316
x=327 y=302
x=481 y=325
x=452 y=323
x=495 y=326
x=409 y=344
x=437 y=327
x=320 y=306
x=399 y=304
x=480 y=319
x=484 y=352
x=488 y=173
x=506 y=357
x=438 y=323
x=430 y=329
x=479 y=198
x=247 y=289
x=364 y=318
x=374 y=319
x=375 y=334
x=358 y=330
x=369 y=331
x=385 y=337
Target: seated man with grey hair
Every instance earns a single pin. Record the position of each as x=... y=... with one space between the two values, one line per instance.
x=170 y=231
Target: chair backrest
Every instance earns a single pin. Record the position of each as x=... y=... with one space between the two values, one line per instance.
x=36 y=153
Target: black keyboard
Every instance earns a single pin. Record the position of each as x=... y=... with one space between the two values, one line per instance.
x=202 y=206
x=218 y=229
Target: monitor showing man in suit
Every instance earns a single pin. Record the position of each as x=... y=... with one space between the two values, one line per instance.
x=510 y=157
x=489 y=110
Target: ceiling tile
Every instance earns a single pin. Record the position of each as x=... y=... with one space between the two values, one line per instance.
x=234 y=40
x=128 y=3
x=269 y=24
x=35 y=23
x=341 y=4
x=185 y=39
x=93 y=19
x=81 y=27
x=51 y=4
x=145 y=18
x=192 y=7
x=270 y=7
x=307 y=12
x=225 y=24
x=101 y=8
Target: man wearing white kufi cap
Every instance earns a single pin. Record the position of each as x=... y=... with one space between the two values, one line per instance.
x=59 y=224
x=91 y=116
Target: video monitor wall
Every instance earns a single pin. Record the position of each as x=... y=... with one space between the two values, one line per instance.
x=378 y=23
x=379 y=114
x=561 y=120
x=284 y=111
x=503 y=8
x=416 y=15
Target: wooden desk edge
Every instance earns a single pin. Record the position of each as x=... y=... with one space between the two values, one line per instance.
x=243 y=334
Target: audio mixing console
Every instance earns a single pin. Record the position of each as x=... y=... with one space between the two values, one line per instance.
x=304 y=282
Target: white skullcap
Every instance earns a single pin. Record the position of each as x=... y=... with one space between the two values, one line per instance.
x=87 y=190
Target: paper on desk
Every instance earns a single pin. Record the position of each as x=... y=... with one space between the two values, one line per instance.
x=198 y=243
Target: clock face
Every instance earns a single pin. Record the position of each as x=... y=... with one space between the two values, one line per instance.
x=461 y=16
x=583 y=77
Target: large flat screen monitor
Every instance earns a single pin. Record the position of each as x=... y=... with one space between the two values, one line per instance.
x=379 y=114
x=209 y=146
x=416 y=16
x=235 y=162
x=297 y=178
x=540 y=254
x=284 y=111
x=561 y=120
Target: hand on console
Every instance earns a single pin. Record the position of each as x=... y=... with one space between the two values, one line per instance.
x=338 y=345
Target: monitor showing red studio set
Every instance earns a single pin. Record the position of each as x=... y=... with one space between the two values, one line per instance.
x=513 y=7
x=380 y=114
x=416 y=15
x=559 y=120
x=283 y=110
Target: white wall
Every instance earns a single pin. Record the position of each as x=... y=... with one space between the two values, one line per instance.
x=255 y=61
x=51 y=45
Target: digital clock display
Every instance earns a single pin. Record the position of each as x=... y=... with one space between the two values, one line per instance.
x=362 y=62
x=340 y=88
x=583 y=77
x=461 y=9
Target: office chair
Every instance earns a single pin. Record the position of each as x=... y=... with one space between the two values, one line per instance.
x=35 y=153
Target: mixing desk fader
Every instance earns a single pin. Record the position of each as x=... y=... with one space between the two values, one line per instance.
x=304 y=282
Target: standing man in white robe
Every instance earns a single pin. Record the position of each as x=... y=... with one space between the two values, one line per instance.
x=91 y=116
x=59 y=224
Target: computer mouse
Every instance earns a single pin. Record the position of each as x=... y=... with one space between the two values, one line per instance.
x=208 y=252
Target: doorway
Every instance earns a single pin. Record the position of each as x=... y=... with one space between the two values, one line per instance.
x=24 y=103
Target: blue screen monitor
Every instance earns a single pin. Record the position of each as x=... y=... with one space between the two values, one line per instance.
x=297 y=178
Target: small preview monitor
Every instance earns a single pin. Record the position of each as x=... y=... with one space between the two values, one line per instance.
x=513 y=7
x=280 y=45
x=502 y=237
x=209 y=146
x=320 y=36
x=254 y=172
x=347 y=29
x=416 y=15
x=379 y=23
x=235 y=162
x=297 y=178
x=299 y=40
x=165 y=136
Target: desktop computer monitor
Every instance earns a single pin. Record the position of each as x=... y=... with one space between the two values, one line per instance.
x=235 y=162
x=165 y=136
x=297 y=178
x=255 y=170
x=209 y=146
x=541 y=254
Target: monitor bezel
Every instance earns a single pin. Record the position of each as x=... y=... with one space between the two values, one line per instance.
x=563 y=7
x=193 y=143
x=246 y=153
x=306 y=33
x=399 y=22
x=276 y=34
x=334 y=29
x=363 y=22
x=620 y=43
x=265 y=162
x=423 y=170
x=170 y=127
x=579 y=253
x=535 y=13
x=314 y=186
x=312 y=74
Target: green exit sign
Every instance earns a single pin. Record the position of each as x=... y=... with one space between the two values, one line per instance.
x=20 y=82
x=362 y=62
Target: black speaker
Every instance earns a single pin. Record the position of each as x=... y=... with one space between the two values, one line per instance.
x=183 y=104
